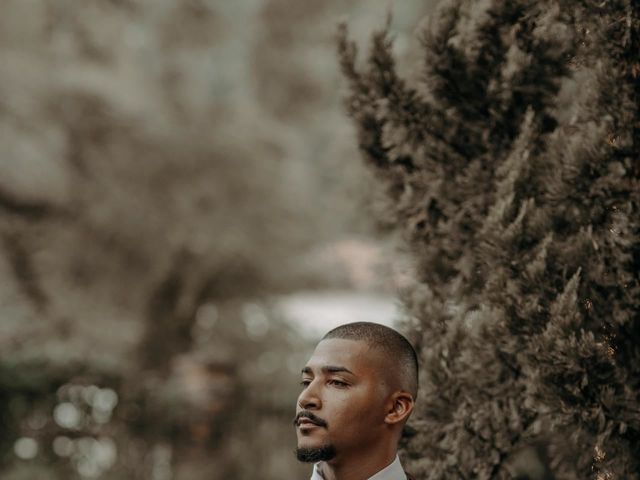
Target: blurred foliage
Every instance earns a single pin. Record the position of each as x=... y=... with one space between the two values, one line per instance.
x=168 y=167
x=511 y=165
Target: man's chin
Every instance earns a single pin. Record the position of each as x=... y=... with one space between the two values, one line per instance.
x=314 y=454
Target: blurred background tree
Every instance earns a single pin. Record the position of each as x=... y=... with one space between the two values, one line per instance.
x=170 y=169
x=511 y=163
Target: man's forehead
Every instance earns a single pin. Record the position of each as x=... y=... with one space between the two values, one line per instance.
x=356 y=355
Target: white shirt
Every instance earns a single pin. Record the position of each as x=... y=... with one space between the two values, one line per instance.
x=393 y=471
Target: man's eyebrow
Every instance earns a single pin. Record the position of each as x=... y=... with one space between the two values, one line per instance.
x=329 y=369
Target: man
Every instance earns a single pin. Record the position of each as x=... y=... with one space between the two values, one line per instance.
x=358 y=390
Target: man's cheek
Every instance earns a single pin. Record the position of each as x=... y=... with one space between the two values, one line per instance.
x=354 y=410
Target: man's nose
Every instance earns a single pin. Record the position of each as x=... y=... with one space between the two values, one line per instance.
x=309 y=398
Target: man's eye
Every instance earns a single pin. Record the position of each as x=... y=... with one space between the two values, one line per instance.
x=338 y=383
x=305 y=383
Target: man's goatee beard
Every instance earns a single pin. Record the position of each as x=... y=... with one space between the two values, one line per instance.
x=317 y=454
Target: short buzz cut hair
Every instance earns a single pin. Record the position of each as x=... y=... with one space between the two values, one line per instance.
x=390 y=341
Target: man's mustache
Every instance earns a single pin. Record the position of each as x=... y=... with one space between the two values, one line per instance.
x=306 y=414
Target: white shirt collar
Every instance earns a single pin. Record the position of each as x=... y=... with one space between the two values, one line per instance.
x=393 y=471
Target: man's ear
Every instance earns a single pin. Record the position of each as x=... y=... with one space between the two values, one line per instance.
x=399 y=407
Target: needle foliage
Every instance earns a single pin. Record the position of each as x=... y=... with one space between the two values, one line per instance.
x=511 y=167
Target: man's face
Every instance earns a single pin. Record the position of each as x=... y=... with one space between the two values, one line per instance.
x=342 y=400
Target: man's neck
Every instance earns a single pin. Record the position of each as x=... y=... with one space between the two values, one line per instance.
x=358 y=467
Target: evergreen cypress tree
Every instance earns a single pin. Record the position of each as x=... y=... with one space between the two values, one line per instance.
x=512 y=168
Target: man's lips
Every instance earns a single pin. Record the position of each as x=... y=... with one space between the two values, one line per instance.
x=305 y=422
x=307 y=419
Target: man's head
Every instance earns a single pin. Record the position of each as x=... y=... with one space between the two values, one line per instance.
x=358 y=390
